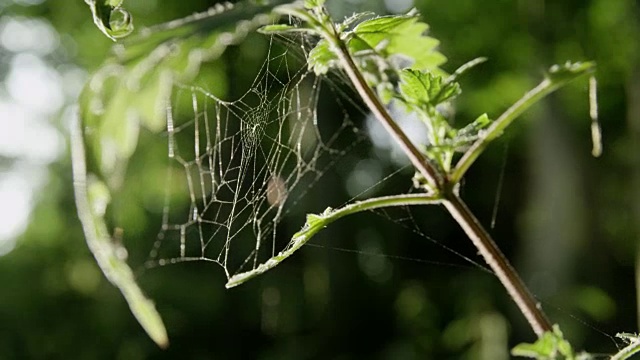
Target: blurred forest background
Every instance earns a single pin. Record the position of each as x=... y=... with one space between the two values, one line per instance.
x=568 y=221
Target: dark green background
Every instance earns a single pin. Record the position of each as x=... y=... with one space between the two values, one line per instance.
x=568 y=221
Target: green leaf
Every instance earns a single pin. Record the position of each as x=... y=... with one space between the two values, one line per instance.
x=464 y=137
x=418 y=87
x=448 y=92
x=321 y=58
x=132 y=88
x=424 y=89
x=396 y=39
x=385 y=91
x=473 y=128
x=548 y=347
x=108 y=15
x=400 y=35
x=92 y=197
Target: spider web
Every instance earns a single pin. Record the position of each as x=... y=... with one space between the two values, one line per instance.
x=245 y=166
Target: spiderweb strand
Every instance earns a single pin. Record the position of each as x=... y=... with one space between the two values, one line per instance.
x=245 y=165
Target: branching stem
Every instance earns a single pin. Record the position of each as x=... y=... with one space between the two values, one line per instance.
x=551 y=83
x=495 y=130
x=454 y=204
x=326 y=218
x=418 y=160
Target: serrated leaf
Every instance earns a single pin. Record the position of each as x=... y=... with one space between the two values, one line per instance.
x=447 y=92
x=548 y=346
x=109 y=16
x=398 y=35
x=321 y=58
x=423 y=88
x=417 y=87
x=543 y=348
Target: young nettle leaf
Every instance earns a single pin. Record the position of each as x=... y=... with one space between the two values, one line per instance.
x=424 y=89
x=468 y=134
x=401 y=35
x=386 y=92
x=392 y=41
x=550 y=346
x=321 y=58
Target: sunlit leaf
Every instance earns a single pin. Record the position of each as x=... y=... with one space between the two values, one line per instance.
x=321 y=58
x=92 y=197
x=128 y=92
x=132 y=87
x=399 y=35
x=423 y=88
x=550 y=346
x=473 y=128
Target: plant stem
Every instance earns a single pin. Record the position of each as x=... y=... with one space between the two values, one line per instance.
x=456 y=207
x=557 y=77
x=496 y=129
x=628 y=351
x=498 y=263
x=419 y=161
x=321 y=221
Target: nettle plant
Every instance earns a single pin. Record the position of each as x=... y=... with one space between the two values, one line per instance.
x=387 y=60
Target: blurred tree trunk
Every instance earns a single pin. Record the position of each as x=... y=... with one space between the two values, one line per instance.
x=554 y=220
x=633 y=122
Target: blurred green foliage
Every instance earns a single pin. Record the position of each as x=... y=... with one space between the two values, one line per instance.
x=568 y=221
